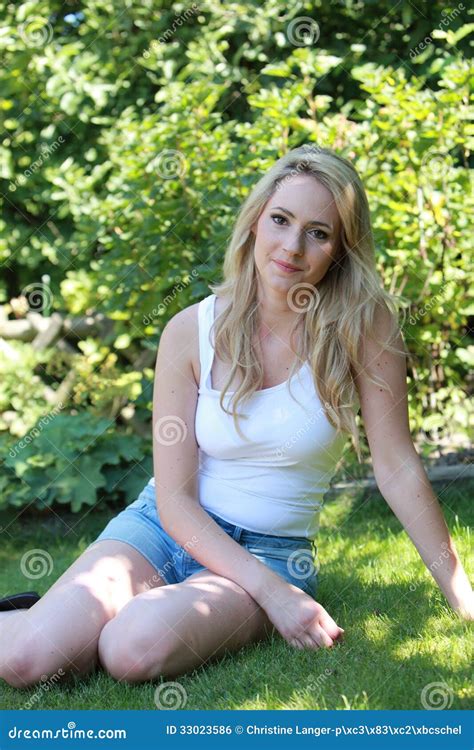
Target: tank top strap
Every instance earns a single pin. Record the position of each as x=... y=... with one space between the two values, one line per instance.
x=206 y=351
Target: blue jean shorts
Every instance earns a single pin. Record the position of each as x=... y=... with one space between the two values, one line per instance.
x=292 y=558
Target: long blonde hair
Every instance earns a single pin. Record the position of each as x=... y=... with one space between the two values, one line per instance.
x=348 y=294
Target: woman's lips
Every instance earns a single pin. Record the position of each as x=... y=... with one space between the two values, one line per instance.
x=286 y=268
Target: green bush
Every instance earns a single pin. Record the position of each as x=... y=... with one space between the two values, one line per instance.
x=74 y=460
x=133 y=135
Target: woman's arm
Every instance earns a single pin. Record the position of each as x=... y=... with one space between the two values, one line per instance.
x=175 y=461
x=399 y=471
x=407 y=490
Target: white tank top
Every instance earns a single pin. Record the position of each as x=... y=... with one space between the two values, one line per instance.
x=274 y=481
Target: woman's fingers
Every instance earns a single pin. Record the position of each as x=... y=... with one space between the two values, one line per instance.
x=321 y=632
x=304 y=641
x=329 y=625
x=315 y=638
x=320 y=636
x=296 y=643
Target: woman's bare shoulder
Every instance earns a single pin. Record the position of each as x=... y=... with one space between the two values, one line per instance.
x=184 y=327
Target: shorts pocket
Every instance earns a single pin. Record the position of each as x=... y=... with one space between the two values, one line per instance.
x=189 y=564
x=145 y=503
x=296 y=564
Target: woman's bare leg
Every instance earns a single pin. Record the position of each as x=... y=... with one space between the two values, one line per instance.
x=61 y=631
x=175 y=629
x=4 y=615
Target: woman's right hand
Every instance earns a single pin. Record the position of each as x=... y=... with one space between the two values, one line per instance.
x=301 y=621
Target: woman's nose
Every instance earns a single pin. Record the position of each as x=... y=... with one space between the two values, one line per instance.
x=295 y=244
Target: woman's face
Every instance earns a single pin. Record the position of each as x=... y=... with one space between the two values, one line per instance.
x=308 y=239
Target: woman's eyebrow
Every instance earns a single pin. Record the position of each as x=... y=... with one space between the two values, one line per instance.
x=315 y=221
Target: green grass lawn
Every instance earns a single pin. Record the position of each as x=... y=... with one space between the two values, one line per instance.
x=401 y=635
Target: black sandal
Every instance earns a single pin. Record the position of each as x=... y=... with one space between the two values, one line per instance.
x=19 y=601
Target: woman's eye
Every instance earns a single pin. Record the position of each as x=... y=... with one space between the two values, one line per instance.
x=277 y=216
x=322 y=235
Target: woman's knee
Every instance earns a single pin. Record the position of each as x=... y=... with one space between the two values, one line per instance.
x=129 y=653
x=37 y=651
x=26 y=664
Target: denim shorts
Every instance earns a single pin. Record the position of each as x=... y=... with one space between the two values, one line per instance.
x=292 y=558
